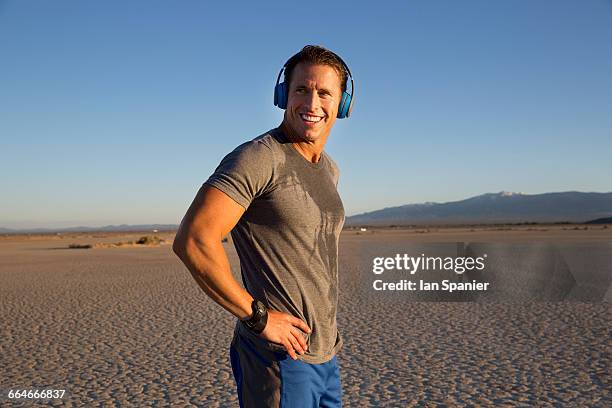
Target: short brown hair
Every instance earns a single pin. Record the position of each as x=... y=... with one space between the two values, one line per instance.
x=317 y=55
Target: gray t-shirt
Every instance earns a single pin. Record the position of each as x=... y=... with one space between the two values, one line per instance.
x=287 y=239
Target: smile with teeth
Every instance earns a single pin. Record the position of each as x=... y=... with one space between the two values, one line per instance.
x=310 y=118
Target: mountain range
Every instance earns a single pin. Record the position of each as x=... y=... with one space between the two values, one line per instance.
x=495 y=208
x=107 y=228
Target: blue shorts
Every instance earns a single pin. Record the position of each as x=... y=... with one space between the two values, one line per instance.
x=273 y=379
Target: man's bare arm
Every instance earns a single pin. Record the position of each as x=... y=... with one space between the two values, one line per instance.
x=198 y=243
x=211 y=216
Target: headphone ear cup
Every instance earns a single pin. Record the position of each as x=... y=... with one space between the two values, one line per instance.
x=276 y=95
x=345 y=103
x=280 y=95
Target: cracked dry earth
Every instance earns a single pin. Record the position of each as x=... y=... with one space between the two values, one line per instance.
x=129 y=327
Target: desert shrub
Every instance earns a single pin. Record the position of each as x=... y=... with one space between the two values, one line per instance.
x=80 y=246
x=149 y=240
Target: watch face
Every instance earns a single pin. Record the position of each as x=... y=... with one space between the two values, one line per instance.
x=260 y=307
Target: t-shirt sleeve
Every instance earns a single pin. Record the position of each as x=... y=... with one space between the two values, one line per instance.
x=245 y=173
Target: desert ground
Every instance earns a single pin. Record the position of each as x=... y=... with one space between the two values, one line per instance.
x=126 y=325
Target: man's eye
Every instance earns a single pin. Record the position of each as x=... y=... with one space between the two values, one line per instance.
x=300 y=91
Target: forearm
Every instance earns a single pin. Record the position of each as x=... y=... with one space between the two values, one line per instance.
x=208 y=264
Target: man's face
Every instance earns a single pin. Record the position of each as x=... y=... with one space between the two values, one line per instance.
x=313 y=99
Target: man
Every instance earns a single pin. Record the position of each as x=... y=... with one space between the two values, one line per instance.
x=277 y=195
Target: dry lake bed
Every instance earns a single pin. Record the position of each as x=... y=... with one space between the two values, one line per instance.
x=126 y=325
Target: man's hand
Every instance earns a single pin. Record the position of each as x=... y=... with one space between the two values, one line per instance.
x=282 y=328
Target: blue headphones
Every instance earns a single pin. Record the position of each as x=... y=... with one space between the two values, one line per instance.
x=345 y=107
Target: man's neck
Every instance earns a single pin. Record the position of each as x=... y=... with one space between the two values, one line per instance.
x=311 y=151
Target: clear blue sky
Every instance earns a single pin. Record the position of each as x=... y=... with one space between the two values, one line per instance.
x=116 y=112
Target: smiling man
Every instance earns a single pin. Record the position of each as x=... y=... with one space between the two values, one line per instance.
x=277 y=195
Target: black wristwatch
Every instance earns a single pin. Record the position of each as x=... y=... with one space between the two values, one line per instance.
x=258 y=321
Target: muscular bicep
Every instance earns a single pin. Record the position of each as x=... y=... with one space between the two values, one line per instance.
x=212 y=215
